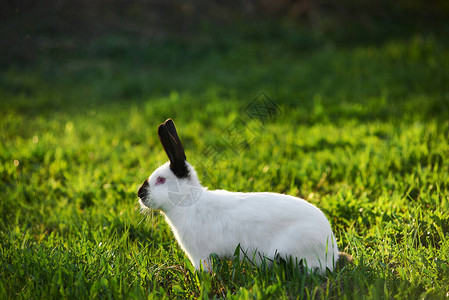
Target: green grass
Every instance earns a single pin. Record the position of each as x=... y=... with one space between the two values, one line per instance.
x=362 y=133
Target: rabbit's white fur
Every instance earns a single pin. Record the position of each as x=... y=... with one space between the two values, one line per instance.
x=217 y=221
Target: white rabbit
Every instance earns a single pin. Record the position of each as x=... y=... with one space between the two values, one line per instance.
x=263 y=224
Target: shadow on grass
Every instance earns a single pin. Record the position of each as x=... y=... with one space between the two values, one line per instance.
x=236 y=277
x=321 y=79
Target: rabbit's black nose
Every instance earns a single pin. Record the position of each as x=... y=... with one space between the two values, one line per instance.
x=143 y=192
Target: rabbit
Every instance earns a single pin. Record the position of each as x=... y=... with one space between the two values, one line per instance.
x=264 y=225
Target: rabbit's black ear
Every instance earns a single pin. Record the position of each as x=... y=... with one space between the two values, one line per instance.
x=174 y=150
x=172 y=129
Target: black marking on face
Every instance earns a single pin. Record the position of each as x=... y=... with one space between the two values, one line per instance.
x=143 y=190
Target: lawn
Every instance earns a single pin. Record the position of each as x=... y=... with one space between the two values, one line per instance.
x=358 y=129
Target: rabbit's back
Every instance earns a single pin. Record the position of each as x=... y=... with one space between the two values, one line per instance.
x=266 y=223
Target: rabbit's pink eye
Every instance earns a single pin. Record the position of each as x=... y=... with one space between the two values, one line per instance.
x=160 y=180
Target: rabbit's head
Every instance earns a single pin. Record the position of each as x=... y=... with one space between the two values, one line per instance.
x=175 y=183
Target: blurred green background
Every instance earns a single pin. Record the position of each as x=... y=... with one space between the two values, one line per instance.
x=361 y=125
